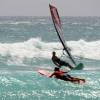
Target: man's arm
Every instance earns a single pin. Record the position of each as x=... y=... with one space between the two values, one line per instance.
x=57 y=64
x=52 y=74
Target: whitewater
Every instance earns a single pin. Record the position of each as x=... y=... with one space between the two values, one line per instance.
x=26 y=45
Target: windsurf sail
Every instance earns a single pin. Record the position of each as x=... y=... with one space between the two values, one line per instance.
x=58 y=28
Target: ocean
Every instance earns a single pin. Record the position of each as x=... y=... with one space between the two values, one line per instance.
x=26 y=45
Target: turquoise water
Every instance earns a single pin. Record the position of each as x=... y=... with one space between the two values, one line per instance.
x=26 y=44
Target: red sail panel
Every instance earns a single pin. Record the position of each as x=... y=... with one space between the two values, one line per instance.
x=55 y=15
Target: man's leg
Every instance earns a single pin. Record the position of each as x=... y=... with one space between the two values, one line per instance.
x=67 y=65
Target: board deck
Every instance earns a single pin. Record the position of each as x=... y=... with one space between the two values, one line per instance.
x=45 y=72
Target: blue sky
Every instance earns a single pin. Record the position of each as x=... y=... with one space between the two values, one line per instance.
x=41 y=8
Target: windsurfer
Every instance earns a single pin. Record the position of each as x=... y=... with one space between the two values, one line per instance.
x=59 y=62
x=64 y=76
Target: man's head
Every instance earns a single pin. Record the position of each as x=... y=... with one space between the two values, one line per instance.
x=53 y=53
x=56 y=69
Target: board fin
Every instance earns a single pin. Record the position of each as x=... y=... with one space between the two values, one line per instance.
x=80 y=66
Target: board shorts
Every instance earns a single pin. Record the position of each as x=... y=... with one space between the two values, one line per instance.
x=66 y=77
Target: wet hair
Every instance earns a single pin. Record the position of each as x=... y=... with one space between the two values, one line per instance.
x=56 y=69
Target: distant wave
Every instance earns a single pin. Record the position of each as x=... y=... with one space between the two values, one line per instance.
x=90 y=28
x=29 y=22
x=15 y=23
x=76 y=23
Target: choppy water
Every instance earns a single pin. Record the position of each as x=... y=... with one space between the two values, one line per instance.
x=26 y=44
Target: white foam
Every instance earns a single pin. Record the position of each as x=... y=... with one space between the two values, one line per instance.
x=85 y=49
x=36 y=48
